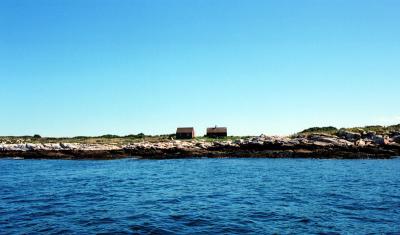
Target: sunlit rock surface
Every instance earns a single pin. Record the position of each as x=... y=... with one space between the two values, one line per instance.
x=346 y=144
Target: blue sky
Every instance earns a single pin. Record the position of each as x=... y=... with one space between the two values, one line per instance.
x=70 y=67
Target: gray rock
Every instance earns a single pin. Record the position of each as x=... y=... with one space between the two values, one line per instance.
x=322 y=144
x=396 y=139
x=380 y=140
x=239 y=141
x=370 y=135
x=348 y=135
x=394 y=134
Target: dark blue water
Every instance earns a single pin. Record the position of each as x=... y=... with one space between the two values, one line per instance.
x=227 y=196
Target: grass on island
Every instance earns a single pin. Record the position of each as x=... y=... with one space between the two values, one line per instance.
x=379 y=130
x=123 y=140
x=105 y=139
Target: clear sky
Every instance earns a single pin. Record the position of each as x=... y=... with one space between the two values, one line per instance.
x=92 y=67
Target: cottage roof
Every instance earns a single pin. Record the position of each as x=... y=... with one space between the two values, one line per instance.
x=214 y=130
x=184 y=130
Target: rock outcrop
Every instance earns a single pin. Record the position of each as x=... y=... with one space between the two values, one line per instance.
x=396 y=139
x=345 y=145
x=348 y=135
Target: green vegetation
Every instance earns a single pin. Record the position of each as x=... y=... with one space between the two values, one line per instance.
x=123 y=140
x=325 y=130
x=230 y=138
x=104 y=139
x=380 y=130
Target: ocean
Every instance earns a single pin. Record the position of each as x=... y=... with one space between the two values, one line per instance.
x=200 y=196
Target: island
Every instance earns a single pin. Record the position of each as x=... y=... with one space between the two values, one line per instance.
x=373 y=142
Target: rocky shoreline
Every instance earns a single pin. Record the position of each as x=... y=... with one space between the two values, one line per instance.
x=345 y=145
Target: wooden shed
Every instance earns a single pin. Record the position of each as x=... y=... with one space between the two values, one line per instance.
x=215 y=132
x=185 y=133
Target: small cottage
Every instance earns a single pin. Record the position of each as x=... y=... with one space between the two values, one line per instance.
x=185 y=133
x=215 y=132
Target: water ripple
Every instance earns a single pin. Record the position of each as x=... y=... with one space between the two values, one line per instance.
x=192 y=196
